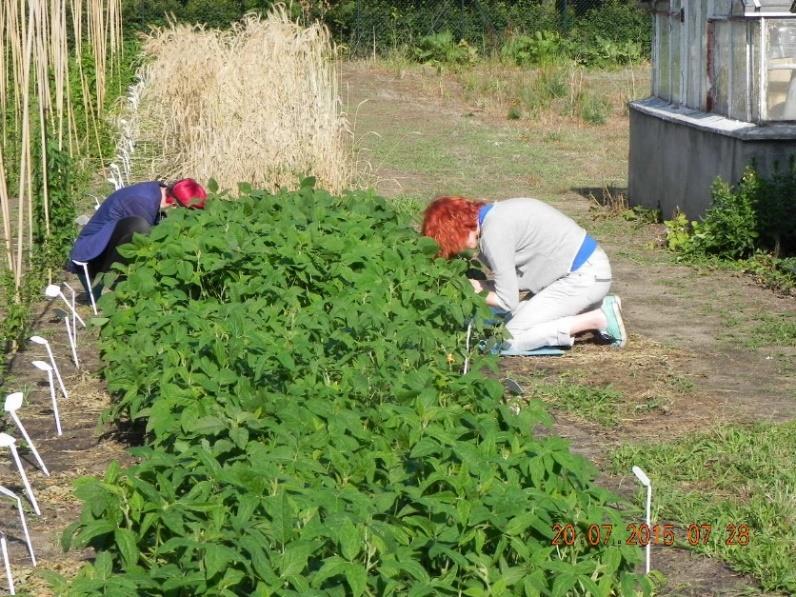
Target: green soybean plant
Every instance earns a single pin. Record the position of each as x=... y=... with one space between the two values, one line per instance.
x=296 y=362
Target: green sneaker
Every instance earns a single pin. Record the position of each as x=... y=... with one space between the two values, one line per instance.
x=612 y=309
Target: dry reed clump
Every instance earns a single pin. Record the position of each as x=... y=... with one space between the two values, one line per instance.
x=258 y=103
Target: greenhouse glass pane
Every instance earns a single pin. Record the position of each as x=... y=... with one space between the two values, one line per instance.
x=676 y=76
x=741 y=76
x=722 y=8
x=754 y=33
x=664 y=62
x=696 y=69
x=721 y=67
x=781 y=69
x=704 y=83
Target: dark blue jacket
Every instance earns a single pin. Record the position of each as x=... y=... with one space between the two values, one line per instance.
x=142 y=199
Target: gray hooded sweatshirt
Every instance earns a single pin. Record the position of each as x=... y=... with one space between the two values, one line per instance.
x=528 y=245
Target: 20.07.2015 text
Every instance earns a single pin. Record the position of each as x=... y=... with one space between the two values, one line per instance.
x=642 y=534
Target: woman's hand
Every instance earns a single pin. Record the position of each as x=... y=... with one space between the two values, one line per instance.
x=481 y=285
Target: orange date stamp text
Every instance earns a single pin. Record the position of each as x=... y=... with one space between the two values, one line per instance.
x=642 y=534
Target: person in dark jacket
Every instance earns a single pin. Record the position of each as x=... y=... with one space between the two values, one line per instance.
x=130 y=210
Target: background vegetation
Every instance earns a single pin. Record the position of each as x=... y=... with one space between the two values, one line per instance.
x=595 y=30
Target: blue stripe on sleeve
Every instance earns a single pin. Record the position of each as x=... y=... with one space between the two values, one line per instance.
x=586 y=249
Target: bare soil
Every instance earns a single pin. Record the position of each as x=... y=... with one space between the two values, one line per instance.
x=85 y=448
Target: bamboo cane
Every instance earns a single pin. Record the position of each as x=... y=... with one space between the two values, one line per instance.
x=41 y=58
x=3 y=73
x=24 y=169
x=4 y=206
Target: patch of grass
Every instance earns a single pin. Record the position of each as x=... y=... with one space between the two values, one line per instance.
x=585 y=402
x=552 y=137
x=758 y=329
x=410 y=205
x=541 y=154
x=778 y=329
x=562 y=88
x=514 y=113
x=653 y=403
x=732 y=475
x=681 y=384
x=431 y=164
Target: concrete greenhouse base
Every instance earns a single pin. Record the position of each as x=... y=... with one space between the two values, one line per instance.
x=676 y=153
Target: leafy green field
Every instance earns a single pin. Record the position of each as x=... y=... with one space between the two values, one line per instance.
x=296 y=362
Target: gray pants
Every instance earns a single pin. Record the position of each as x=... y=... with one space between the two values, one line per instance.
x=546 y=318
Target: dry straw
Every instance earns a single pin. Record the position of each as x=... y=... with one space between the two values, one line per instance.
x=258 y=103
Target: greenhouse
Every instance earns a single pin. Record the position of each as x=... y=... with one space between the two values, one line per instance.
x=723 y=88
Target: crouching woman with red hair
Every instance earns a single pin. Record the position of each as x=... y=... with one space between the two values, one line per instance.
x=130 y=210
x=531 y=246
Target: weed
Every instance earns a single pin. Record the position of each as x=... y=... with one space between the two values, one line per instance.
x=773 y=330
x=593 y=109
x=653 y=404
x=772 y=272
x=642 y=215
x=440 y=49
x=541 y=48
x=609 y=202
x=585 y=402
x=514 y=113
x=678 y=232
x=553 y=137
x=681 y=384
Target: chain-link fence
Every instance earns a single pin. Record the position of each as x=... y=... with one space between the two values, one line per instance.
x=374 y=26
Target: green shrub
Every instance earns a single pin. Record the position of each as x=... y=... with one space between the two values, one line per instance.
x=602 y=52
x=297 y=362
x=751 y=222
x=441 y=48
x=729 y=228
x=776 y=211
x=143 y=14
x=678 y=233
x=616 y=32
x=543 y=47
x=213 y=13
x=776 y=273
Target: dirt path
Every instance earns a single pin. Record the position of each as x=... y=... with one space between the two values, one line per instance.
x=85 y=448
x=697 y=356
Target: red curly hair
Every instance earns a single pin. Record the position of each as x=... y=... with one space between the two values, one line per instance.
x=449 y=220
x=188 y=193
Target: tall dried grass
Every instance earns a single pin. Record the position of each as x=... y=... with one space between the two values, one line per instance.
x=258 y=103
